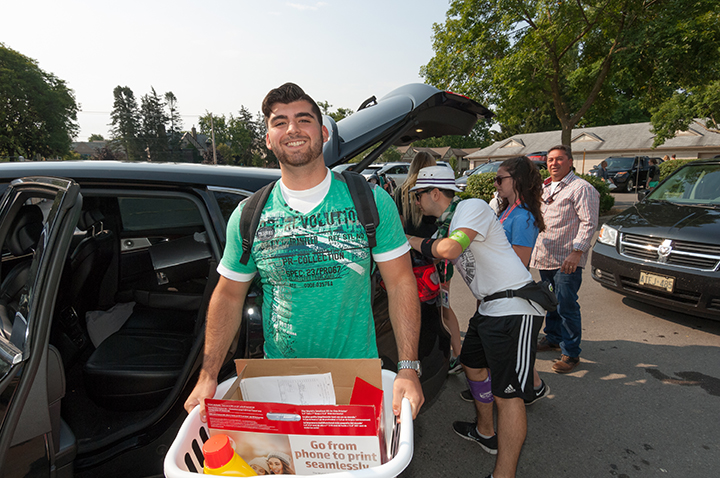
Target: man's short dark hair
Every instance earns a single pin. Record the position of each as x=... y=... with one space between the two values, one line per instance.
x=564 y=148
x=448 y=193
x=286 y=94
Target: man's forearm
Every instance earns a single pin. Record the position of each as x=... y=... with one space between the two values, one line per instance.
x=223 y=321
x=441 y=248
x=404 y=310
x=403 y=305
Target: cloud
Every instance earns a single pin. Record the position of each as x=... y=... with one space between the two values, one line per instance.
x=301 y=6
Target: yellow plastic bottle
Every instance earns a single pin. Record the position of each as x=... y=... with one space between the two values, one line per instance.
x=221 y=459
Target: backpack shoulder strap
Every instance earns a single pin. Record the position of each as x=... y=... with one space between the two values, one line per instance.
x=364 y=202
x=250 y=219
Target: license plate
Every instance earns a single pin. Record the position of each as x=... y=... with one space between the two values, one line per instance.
x=654 y=280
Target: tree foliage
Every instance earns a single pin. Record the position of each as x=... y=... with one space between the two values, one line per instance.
x=174 y=122
x=125 y=122
x=96 y=137
x=549 y=63
x=150 y=132
x=38 y=112
x=152 y=126
x=337 y=115
x=700 y=105
x=242 y=138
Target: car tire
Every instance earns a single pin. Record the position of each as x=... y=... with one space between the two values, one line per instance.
x=630 y=186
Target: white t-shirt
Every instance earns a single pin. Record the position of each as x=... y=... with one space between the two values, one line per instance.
x=490 y=264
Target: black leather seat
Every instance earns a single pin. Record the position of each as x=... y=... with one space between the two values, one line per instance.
x=136 y=369
x=89 y=262
x=80 y=285
x=22 y=239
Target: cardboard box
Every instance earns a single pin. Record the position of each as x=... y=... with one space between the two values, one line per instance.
x=315 y=439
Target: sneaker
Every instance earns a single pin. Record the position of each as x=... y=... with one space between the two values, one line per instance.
x=467 y=395
x=544 y=345
x=565 y=364
x=542 y=393
x=468 y=430
x=455 y=366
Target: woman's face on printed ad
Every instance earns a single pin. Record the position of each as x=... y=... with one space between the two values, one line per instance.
x=276 y=466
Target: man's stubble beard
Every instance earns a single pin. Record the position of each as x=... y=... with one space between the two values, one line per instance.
x=300 y=158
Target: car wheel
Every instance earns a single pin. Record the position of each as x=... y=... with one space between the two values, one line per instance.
x=630 y=185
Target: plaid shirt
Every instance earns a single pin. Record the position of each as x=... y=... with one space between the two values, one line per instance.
x=571 y=218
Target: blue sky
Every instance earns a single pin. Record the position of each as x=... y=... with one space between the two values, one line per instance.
x=219 y=55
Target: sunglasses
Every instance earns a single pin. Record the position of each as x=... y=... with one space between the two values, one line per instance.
x=421 y=192
x=499 y=179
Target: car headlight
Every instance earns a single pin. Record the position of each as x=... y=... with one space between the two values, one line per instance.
x=623 y=173
x=608 y=235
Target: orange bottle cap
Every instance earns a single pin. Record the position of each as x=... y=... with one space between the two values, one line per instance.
x=218 y=451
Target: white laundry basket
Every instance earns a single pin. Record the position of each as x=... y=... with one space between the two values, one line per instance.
x=186 y=450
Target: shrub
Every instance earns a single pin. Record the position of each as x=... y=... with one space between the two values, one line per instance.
x=481 y=186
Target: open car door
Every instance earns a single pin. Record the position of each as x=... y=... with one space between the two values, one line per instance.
x=37 y=219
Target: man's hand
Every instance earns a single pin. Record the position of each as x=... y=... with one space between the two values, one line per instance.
x=407 y=385
x=570 y=264
x=205 y=388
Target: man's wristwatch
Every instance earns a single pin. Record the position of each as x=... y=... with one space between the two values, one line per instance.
x=411 y=364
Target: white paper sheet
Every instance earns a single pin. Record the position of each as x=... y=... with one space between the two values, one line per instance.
x=316 y=389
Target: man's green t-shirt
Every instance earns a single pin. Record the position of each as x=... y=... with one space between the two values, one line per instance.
x=315 y=273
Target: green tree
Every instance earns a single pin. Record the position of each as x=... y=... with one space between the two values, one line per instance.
x=700 y=105
x=337 y=115
x=96 y=137
x=533 y=57
x=38 y=112
x=175 y=125
x=243 y=136
x=153 y=121
x=125 y=124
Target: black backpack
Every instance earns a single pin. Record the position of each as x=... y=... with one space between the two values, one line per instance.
x=362 y=198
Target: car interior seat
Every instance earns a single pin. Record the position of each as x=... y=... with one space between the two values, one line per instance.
x=22 y=239
x=81 y=281
x=89 y=261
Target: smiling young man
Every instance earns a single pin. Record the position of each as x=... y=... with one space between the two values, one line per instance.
x=313 y=259
x=501 y=335
x=570 y=211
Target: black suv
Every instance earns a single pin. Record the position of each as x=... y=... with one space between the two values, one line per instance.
x=107 y=268
x=628 y=172
x=665 y=250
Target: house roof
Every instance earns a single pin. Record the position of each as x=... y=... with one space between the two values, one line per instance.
x=87 y=147
x=607 y=139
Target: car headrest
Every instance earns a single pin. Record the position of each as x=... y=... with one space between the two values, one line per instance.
x=25 y=230
x=89 y=218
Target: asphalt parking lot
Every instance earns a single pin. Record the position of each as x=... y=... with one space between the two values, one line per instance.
x=644 y=402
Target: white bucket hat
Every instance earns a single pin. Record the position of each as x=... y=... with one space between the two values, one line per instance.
x=440 y=177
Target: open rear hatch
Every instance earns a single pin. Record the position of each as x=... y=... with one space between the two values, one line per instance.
x=407 y=114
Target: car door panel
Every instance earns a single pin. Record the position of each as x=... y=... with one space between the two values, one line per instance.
x=26 y=424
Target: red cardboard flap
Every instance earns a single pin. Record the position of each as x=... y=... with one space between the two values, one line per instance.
x=365 y=394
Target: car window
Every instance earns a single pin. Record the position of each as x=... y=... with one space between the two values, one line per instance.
x=146 y=214
x=699 y=184
x=620 y=163
x=228 y=202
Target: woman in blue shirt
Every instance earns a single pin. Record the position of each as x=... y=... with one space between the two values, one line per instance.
x=519 y=186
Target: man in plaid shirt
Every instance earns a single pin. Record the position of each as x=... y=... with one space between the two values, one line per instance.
x=570 y=212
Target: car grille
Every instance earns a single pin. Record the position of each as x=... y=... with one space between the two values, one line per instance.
x=703 y=257
x=714 y=304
